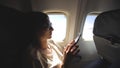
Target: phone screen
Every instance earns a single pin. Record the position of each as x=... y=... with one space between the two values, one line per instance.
x=77 y=38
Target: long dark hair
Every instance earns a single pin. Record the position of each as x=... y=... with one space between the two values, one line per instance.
x=39 y=22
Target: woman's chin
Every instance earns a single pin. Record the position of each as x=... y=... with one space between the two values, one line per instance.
x=49 y=37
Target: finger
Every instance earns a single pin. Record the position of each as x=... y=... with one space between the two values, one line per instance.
x=72 y=45
x=67 y=48
x=72 y=42
x=74 y=48
x=76 y=52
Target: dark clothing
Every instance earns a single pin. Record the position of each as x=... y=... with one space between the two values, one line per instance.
x=30 y=61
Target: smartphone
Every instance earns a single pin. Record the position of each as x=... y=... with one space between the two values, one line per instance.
x=77 y=38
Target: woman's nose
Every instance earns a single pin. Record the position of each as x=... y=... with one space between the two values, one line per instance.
x=51 y=28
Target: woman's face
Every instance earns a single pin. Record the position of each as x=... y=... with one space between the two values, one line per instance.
x=47 y=31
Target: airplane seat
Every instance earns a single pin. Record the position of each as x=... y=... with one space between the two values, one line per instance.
x=107 y=35
x=13 y=37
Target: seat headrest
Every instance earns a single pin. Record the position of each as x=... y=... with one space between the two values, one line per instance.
x=107 y=25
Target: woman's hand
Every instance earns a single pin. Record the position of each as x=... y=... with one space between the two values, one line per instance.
x=71 y=48
x=69 y=52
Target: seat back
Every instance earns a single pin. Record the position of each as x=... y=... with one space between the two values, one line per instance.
x=13 y=37
x=107 y=35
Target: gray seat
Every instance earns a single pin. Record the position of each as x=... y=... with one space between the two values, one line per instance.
x=107 y=35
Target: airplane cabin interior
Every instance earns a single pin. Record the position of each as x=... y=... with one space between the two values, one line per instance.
x=97 y=21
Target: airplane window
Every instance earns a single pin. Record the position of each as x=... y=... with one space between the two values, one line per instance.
x=59 y=22
x=88 y=27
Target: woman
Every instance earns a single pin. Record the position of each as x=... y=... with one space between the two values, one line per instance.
x=44 y=52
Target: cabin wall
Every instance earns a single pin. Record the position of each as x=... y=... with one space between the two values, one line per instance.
x=21 y=5
x=102 y=5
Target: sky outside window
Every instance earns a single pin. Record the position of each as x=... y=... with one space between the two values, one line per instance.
x=59 y=24
x=88 y=28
